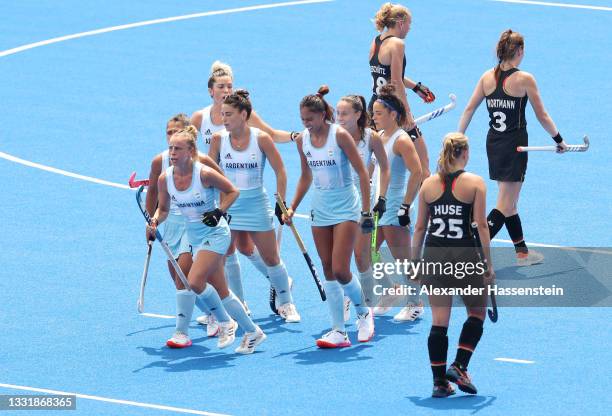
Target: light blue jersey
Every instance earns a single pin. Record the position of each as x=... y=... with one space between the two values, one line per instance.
x=175 y=233
x=193 y=202
x=335 y=198
x=397 y=184
x=207 y=129
x=245 y=168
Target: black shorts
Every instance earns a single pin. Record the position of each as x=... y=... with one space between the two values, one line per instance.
x=505 y=163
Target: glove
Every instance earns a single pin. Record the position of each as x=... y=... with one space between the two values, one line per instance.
x=212 y=218
x=414 y=133
x=424 y=92
x=279 y=212
x=403 y=215
x=367 y=223
x=380 y=207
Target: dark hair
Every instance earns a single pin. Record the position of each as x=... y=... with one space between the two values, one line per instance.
x=508 y=45
x=388 y=97
x=240 y=99
x=181 y=118
x=358 y=103
x=317 y=104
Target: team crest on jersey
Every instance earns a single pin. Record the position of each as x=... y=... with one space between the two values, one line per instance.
x=330 y=153
x=208 y=132
x=228 y=156
x=197 y=195
x=253 y=156
x=308 y=154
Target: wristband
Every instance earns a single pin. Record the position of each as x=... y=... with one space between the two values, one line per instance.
x=558 y=139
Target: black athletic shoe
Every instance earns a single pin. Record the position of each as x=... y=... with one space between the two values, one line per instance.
x=272 y=300
x=442 y=388
x=461 y=379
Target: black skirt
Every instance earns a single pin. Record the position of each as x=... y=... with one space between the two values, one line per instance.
x=505 y=163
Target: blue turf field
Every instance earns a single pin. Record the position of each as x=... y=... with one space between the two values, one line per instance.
x=72 y=250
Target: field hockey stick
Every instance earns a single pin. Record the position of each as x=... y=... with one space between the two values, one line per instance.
x=374 y=253
x=143 y=279
x=159 y=238
x=491 y=312
x=135 y=183
x=300 y=243
x=438 y=112
x=570 y=147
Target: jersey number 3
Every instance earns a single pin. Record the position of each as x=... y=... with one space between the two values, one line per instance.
x=454 y=228
x=499 y=119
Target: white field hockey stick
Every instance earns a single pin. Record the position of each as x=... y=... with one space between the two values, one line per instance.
x=570 y=147
x=374 y=253
x=159 y=238
x=438 y=112
x=143 y=279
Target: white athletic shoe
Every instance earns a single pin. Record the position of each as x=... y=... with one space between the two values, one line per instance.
x=529 y=258
x=179 y=340
x=365 y=326
x=409 y=313
x=380 y=310
x=289 y=313
x=212 y=328
x=347 y=308
x=250 y=340
x=227 y=333
x=202 y=319
x=276 y=300
x=334 y=339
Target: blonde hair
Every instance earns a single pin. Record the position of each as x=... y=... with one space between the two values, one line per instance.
x=191 y=133
x=453 y=145
x=389 y=14
x=219 y=69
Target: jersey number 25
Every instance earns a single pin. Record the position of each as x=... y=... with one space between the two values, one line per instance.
x=454 y=228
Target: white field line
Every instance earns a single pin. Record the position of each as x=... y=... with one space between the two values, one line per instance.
x=115 y=401
x=156 y=315
x=154 y=22
x=552 y=4
x=514 y=360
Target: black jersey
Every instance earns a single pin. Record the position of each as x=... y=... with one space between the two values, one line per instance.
x=449 y=218
x=506 y=113
x=381 y=74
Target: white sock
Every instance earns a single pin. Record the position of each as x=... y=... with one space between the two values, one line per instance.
x=335 y=301
x=352 y=289
x=236 y=310
x=280 y=281
x=213 y=301
x=367 y=286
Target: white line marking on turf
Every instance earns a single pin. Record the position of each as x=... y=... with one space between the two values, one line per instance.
x=116 y=401
x=60 y=171
x=155 y=315
x=551 y=4
x=155 y=22
x=514 y=360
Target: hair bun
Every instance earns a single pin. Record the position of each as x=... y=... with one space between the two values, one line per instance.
x=323 y=90
x=242 y=93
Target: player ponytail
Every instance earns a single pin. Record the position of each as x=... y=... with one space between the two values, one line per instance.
x=392 y=102
x=219 y=69
x=240 y=101
x=453 y=146
x=191 y=134
x=508 y=45
x=317 y=104
x=358 y=104
x=389 y=14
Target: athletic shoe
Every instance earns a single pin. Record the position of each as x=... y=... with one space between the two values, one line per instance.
x=227 y=333
x=212 y=329
x=276 y=301
x=179 y=340
x=461 y=378
x=250 y=340
x=442 y=388
x=409 y=313
x=202 y=319
x=334 y=339
x=365 y=326
x=529 y=258
x=380 y=310
x=289 y=313
x=347 y=308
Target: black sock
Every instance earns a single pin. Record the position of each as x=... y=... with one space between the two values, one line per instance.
x=515 y=230
x=437 y=344
x=470 y=335
x=496 y=220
